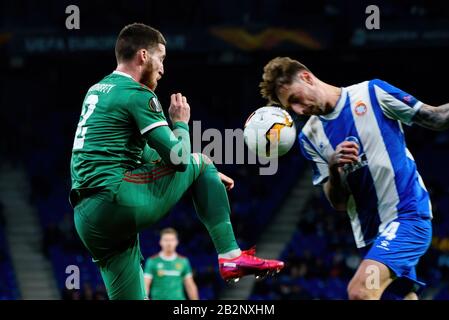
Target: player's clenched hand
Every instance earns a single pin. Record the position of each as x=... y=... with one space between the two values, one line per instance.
x=179 y=109
x=228 y=182
x=346 y=153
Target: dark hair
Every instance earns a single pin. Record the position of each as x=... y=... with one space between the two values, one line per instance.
x=168 y=231
x=134 y=37
x=278 y=72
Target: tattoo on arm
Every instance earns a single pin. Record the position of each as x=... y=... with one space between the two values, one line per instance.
x=434 y=118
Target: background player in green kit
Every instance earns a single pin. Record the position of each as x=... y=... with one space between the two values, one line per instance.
x=168 y=273
x=129 y=168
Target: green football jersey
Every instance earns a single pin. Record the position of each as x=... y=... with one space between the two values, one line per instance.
x=167 y=276
x=116 y=112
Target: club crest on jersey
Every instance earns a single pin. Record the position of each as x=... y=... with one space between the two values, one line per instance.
x=360 y=108
x=155 y=105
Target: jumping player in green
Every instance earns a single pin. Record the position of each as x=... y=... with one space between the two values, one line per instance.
x=168 y=273
x=129 y=168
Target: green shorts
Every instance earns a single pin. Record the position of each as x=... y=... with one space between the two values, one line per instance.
x=109 y=221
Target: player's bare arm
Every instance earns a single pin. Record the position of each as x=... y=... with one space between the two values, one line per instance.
x=148 y=281
x=434 y=118
x=334 y=189
x=191 y=288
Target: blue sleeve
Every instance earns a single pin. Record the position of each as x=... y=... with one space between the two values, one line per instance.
x=395 y=103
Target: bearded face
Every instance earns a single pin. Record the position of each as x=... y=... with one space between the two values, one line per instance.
x=153 y=68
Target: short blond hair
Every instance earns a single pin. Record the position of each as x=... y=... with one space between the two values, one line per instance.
x=276 y=73
x=169 y=231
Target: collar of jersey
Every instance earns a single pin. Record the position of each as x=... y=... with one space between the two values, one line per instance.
x=121 y=73
x=124 y=74
x=339 y=106
x=173 y=257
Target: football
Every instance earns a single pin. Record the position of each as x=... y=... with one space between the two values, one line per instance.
x=269 y=132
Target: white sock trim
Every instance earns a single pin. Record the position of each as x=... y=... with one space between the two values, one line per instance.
x=230 y=254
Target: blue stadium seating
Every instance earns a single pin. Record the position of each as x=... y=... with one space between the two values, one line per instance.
x=8 y=285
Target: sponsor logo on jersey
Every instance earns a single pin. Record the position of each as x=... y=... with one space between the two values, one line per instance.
x=172 y=273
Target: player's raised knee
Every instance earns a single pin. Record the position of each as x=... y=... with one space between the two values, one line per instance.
x=361 y=293
x=201 y=159
x=196 y=158
x=206 y=159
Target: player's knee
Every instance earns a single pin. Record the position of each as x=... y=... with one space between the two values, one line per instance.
x=206 y=159
x=196 y=158
x=411 y=296
x=356 y=292
x=200 y=157
x=202 y=161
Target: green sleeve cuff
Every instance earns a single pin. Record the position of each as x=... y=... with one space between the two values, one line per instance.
x=180 y=124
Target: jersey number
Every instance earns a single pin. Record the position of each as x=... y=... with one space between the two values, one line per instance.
x=390 y=231
x=88 y=109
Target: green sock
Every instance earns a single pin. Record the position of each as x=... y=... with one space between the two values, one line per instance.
x=212 y=207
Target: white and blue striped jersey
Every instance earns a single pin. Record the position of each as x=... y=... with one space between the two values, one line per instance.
x=385 y=183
